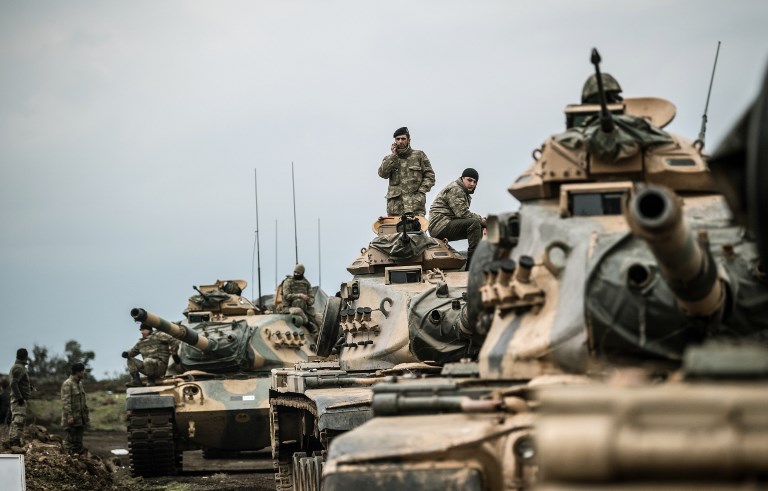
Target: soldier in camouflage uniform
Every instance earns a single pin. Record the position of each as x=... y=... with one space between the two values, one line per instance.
x=297 y=297
x=449 y=215
x=410 y=176
x=590 y=93
x=21 y=390
x=74 y=409
x=155 y=348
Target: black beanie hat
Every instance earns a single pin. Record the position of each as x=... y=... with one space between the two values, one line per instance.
x=401 y=131
x=470 y=172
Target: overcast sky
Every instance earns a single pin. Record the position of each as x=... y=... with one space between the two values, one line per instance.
x=130 y=131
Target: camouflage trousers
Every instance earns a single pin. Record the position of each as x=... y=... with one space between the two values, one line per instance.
x=74 y=441
x=18 y=418
x=415 y=203
x=151 y=367
x=459 y=229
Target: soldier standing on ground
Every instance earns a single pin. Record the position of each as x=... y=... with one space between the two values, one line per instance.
x=155 y=349
x=297 y=293
x=410 y=176
x=449 y=215
x=21 y=390
x=5 y=401
x=74 y=410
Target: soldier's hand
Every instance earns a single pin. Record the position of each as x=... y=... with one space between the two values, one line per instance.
x=394 y=148
x=125 y=354
x=70 y=421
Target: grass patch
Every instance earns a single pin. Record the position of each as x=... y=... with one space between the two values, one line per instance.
x=107 y=410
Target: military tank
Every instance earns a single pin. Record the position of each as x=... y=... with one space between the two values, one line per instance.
x=622 y=258
x=220 y=401
x=403 y=314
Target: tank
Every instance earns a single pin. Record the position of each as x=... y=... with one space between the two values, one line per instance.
x=622 y=260
x=403 y=314
x=220 y=401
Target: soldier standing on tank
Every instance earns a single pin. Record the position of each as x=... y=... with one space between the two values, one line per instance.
x=155 y=349
x=74 y=409
x=297 y=293
x=21 y=390
x=410 y=176
x=449 y=215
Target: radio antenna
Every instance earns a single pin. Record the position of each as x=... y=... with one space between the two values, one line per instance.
x=256 y=239
x=295 y=235
x=319 y=262
x=706 y=106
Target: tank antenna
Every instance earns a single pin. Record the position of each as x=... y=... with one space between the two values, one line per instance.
x=706 y=105
x=295 y=235
x=256 y=240
x=275 y=252
x=319 y=263
x=606 y=121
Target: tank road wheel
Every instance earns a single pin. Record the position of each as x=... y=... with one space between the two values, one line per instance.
x=329 y=331
x=152 y=445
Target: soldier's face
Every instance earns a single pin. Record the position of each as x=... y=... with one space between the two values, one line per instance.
x=145 y=333
x=402 y=141
x=469 y=183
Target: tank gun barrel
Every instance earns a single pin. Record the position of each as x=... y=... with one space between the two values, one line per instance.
x=656 y=215
x=179 y=332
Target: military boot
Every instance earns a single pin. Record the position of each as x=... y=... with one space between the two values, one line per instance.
x=151 y=381
x=135 y=381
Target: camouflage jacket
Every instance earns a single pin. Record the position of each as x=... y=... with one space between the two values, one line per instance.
x=450 y=204
x=73 y=403
x=21 y=388
x=411 y=173
x=157 y=345
x=293 y=289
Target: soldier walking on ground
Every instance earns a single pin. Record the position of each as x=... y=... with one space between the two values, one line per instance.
x=21 y=390
x=155 y=349
x=297 y=294
x=449 y=215
x=410 y=176
x=74 y=410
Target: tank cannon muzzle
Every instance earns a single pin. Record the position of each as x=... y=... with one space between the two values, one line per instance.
x=179 y=332
x=655 y=215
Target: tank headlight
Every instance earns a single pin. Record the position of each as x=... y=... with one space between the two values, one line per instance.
x=524 y=449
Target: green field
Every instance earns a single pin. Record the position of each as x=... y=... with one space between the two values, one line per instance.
x=107 y=410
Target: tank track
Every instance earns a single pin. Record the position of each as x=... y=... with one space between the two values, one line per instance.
x=298 y=471
x=151 y=443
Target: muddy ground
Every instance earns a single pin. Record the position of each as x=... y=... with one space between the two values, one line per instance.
x=44 y=462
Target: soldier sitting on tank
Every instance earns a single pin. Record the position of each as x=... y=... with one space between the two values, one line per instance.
x=155 y=348
x=449 y=215
x=297 y=297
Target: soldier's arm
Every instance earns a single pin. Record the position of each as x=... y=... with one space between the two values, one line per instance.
x=428 y=176
x=459 y=205
x=389 y=163
x=15 y=389
x=135 y=350
x=66 y=401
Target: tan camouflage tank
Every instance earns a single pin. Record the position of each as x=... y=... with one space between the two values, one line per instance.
x=219 y=401
x=403 y=314
x=621 y=261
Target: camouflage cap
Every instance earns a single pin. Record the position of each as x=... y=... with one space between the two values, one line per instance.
x=590 y=86
x=299 y=268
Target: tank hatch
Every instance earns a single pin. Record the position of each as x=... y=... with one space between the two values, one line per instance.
x=403 y=241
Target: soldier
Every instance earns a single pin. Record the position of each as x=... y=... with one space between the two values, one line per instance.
x=155 y=349
x=410 y=176
x=297 y=294
x=74 y=410
x=449 y=215
x=5 y=401
x=590 y=93
x=21 y=390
